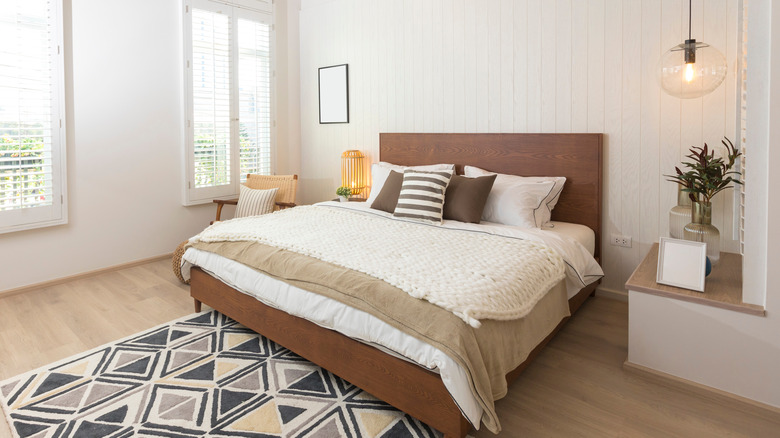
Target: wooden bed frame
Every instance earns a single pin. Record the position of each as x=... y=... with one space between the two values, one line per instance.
x=411 y=388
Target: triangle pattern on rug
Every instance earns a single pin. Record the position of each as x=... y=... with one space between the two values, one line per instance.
x=8 y=388
x=177 y=334
x=331 y=425
x=123 y=408
x=251 y=346
x=287 y=373
x=69 y=400
x=158 y=338
x=227 y=400
x=313 y=408
x=28 y=429
x=180 y=359
x=95 y=430
x=216 y=378
x=53 y=382
x=130 y=363
x=116 y=416
x=207 y=319
x=313 y=382
x=101 y=391
x=85 y=366
x=374 y=422
x=202 y=345
x=289 y=413
x=125 y=357
x=230 y=340
x=182 y=411
x=400 y=430
x=171 y=405
x=138 y=367
x=203 y=372
x=255 y=380
x=262 y=420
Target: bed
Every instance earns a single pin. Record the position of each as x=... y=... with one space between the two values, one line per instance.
x=409 y=387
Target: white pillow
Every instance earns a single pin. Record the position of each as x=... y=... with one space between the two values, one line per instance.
x=253 y=202
x=381 y=170
x=513 y=185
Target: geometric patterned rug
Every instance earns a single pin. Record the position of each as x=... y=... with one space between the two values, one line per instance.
x=202 y=375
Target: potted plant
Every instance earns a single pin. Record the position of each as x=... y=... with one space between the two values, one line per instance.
x=705 y=177
x=344 y=193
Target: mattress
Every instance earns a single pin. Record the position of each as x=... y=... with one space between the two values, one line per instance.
x=582 y=234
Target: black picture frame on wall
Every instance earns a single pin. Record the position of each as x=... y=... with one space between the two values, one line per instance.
x=333 y=84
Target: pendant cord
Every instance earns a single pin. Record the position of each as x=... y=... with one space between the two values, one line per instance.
x=690 y=9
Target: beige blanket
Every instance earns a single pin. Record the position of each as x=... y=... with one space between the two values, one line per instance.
x=478 y=276
x=487 y=353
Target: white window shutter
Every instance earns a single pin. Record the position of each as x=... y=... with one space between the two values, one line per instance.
x=211 y=97
x=228 y=93
x=32 y=132
x=254 y=96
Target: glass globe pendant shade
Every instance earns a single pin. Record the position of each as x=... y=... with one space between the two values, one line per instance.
x=691 y=69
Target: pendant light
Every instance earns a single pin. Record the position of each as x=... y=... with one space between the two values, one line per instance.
x=691 y=69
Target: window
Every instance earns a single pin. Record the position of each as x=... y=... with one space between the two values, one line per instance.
x=228 y=79
x=32 y=116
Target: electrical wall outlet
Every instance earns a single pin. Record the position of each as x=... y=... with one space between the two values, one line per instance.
x=624 y=241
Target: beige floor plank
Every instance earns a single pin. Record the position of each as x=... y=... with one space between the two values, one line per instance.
x=575 y=388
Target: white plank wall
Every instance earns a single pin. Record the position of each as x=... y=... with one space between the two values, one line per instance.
x=524 y=66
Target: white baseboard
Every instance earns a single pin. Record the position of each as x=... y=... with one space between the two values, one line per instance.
x=612 y=294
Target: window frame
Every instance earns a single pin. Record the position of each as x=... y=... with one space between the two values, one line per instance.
x=256 y=10
x=57 y=213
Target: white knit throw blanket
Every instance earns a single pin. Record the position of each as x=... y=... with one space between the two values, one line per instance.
x=473 y=275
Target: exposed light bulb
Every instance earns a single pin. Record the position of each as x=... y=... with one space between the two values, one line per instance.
x=689 y=73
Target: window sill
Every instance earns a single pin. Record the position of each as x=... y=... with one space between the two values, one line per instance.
x=722 y=289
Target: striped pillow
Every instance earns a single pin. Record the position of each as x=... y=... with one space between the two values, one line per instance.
x=422 y=195
x=253 y=202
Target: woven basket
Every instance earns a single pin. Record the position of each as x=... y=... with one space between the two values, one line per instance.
x=177 y=255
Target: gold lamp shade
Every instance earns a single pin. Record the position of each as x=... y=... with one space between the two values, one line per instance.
x=353 y=172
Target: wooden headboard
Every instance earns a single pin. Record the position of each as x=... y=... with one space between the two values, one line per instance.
x=575 y=156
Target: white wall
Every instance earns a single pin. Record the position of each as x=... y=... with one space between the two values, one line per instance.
x=123 y=84
x=524 y=66
x=288 y=87
x=727 y=350
x=124 y=97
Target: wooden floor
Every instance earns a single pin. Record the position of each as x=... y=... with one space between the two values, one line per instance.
x=576 y=387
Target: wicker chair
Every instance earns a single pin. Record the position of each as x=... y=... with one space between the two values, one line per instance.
x=285 y=197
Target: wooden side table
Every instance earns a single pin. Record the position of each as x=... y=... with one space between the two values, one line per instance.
x=722 y=288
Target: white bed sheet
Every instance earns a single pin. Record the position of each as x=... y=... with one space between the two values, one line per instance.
x=581 y=233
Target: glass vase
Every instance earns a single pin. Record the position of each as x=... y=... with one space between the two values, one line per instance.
x=680 y=214
x=702 y=230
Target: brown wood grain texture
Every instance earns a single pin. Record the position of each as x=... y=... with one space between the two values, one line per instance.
x=578 y=157
x=722 y=288
x=402 y=384
x=409 y=387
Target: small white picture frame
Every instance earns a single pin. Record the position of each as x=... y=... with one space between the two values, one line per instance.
x=682 y=263
x=334 y=94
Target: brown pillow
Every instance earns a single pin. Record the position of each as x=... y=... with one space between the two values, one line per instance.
x=387 y=198
x=465 y=197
